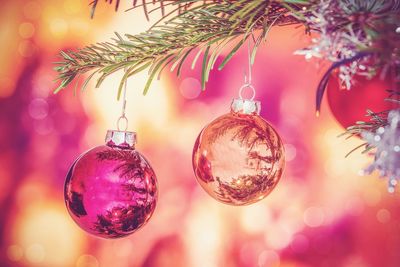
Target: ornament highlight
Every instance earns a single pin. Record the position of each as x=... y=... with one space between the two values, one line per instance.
x=238 y=158
x=111 y=190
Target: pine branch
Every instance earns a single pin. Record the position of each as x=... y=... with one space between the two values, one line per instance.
x=95 y=2
x=208 y=27
x=161 y=4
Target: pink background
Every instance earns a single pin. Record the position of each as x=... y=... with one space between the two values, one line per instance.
x=321 y=214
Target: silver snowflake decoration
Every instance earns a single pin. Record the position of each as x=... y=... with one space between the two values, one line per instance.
x=387 y=154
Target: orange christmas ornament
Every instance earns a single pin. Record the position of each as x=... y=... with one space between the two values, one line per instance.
x=238 y=158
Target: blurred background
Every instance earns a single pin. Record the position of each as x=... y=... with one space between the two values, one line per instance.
x=321 y=214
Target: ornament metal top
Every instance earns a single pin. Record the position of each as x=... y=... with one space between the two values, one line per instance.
x=121 y=139
x=245 y=106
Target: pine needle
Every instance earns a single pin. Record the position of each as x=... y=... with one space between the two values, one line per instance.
x=199 y=24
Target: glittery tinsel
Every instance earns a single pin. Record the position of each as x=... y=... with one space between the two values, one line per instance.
x=386 y=140
x=344 y=29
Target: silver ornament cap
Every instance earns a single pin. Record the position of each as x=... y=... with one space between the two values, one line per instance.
x=121 y=139
x=246 y=106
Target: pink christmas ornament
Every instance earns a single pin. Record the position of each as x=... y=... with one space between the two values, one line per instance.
x=111 y=190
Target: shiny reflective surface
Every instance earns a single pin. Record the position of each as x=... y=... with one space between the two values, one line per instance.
x=238 y=159
x=348 y=107
x=111 y=192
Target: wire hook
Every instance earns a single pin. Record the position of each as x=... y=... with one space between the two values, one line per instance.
x=123 y=116
x=248 y=75
x=249 y=79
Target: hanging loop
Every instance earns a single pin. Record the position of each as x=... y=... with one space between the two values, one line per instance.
x=247 y=86
x=124 y=120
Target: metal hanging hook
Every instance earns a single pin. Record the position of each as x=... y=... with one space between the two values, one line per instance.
x=249 y=80
x=248 y=76
x=123 y=117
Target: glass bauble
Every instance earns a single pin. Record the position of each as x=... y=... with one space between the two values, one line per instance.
x=111 y=190
x=350 y=106
x=238 y=158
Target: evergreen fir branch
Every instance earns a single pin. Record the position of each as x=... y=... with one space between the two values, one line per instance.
x=210 y=26
x=135 y=3
x=182 y=5
x=95 y=2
